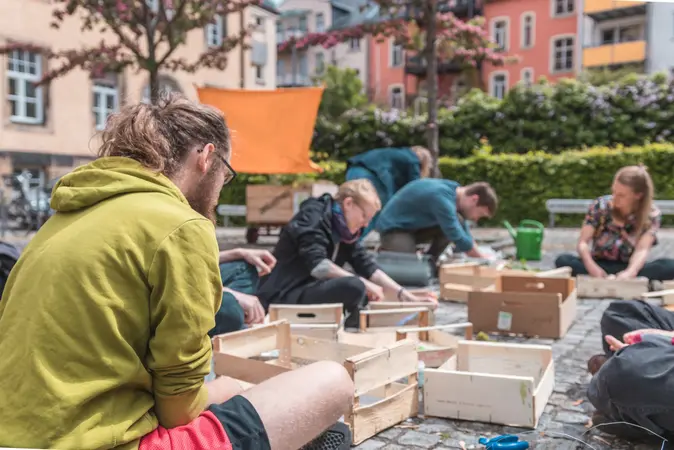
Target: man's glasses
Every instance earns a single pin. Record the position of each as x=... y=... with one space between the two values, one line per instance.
x=231 y=173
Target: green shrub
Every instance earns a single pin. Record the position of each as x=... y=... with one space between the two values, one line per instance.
x=570 y=114
x=523 y=181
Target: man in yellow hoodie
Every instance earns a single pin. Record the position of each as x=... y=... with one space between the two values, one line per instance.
x=104 y=320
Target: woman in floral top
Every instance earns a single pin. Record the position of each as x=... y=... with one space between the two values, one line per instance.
x=619 y=231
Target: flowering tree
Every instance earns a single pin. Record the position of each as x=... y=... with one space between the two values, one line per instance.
x=418 y=26
x=143 y=34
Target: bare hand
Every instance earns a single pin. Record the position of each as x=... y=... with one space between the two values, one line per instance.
x=263 y=260
x=422 y=296
x=596 y=271
x=374 y=292
x=614 y=343
x=625 y=275
x=252 y=308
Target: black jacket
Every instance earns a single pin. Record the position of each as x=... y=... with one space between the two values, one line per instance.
x=304 y=242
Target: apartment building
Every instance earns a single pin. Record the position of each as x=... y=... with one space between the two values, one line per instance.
x=541 y=33
x=49 y=130
x=398 y=77
x=635 y=33
x=298 y=67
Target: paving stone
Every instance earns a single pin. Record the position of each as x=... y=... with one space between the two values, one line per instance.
x=418 y=439
x=571 y=417
x=436 y=428
x=391 y=433
x=371 y=444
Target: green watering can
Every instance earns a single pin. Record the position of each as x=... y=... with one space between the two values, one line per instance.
x=528 y=239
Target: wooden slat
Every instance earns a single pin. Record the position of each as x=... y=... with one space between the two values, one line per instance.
x=248 y=370
x=379 y=367
x=250 y=342
x=294 y=314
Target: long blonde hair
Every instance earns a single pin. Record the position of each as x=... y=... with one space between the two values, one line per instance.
x=425 y=158
x=639 y=181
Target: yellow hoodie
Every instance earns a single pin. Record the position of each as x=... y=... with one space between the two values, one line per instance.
x=104 y=320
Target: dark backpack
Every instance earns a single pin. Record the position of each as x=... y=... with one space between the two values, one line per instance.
x=9 y=254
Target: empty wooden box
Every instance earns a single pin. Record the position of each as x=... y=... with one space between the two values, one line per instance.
x=533 y=306
x=321 y=321
x=507 y=384
x=590 y=287
x=268 y=204
x=380 y=399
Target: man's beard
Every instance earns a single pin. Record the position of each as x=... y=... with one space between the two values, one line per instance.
x=204 y=198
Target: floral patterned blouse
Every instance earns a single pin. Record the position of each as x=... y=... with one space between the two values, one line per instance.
x=615 y=242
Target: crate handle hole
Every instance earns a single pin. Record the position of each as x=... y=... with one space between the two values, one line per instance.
x=306 y=315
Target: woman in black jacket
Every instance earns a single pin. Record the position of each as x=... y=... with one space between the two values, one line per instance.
x=317 y=242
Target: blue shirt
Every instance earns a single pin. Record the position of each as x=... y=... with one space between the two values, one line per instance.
x=426 y=203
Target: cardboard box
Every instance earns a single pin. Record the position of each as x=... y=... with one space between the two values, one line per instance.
x=381 y=400
x=268 y=204
x=507 y=384
x=533 y=306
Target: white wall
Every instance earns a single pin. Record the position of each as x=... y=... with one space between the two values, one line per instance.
x=660 y=37
x=266 y=34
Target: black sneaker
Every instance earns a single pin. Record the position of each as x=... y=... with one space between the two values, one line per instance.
x=352 y=320
x=338 y=437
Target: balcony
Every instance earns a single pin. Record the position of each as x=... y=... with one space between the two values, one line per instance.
x=614 y=54
x=415 y=65
x=288 y=80
x=614 y=9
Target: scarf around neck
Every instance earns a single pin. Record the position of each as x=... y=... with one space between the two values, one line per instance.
x=340 y=227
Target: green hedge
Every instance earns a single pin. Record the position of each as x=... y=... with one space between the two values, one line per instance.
x=568 y=115
x=524 y=182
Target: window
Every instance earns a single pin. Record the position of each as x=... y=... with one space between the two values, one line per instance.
x=320 y=23
x=166 y=84
x=630 y=33
x=500 y=34
x=608 y=36
x=396 y=56
x=397 y=97
x=215 y=32
x=563 y=7
x=259 y=23
x=303 y=24
x=562 y=53
x=420 y=106
x=104 y=103
x=280 y=67
x=304 y=66
x=259 y=74
x=320 y=63
x=24 y=69
x=279 y=33
x=528 y=30
x=354 y=44
x=499 y=85
x=527 y=76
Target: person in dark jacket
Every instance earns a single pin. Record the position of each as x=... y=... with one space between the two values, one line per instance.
x=317 y=242
x=389 y=169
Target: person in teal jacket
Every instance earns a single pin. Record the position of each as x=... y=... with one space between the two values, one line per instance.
x=389 y=169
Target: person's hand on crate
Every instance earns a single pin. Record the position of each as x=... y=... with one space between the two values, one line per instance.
x=263 y=260
x=252 y=308
x=419 y=296
x=374 y=292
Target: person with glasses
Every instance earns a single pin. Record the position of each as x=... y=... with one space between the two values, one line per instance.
x=105 y=316
x=315 y=245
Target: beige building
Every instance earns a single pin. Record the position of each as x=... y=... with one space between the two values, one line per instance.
x=299 y=17
x=50 y=130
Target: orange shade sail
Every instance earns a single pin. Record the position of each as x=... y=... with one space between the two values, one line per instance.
x=271 y=130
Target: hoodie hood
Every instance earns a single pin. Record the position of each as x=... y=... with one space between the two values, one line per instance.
x=105 y=178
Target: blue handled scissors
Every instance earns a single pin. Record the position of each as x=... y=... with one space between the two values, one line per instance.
x=504 y=442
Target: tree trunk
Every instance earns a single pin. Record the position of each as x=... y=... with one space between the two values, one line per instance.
x=430 y=54
x=153 y=87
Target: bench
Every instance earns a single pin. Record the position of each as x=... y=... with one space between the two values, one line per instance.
x=580 y=206
x=227 y=211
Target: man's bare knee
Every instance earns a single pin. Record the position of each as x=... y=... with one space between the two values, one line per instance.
x=337 y=377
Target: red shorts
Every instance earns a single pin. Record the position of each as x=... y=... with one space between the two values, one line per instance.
x=233 y=425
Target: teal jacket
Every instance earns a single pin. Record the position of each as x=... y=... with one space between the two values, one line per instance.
x=426 y=203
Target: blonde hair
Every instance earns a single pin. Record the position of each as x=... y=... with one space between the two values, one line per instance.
x=639 y=181
x=425 y=158
x=160 y=136
x=361 y=190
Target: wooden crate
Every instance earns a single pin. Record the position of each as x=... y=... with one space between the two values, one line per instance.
x=666 y=294
x=268 y=204
x=507 y=384
x=395 y=319
x=590 y=287
x=457 y=281
x=321 y=321
x=380 y=399
x=533 y=306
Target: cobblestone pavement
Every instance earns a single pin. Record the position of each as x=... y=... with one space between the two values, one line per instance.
x=568 y=410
